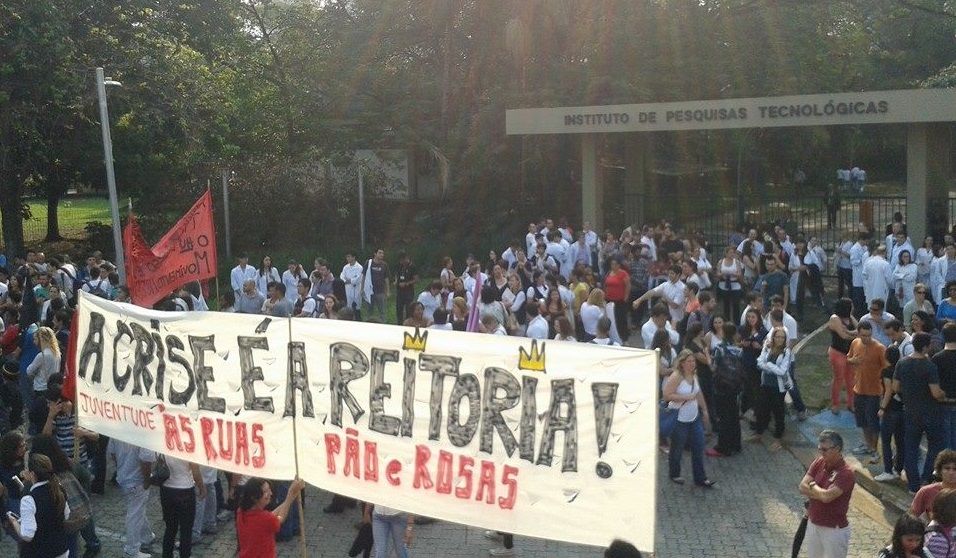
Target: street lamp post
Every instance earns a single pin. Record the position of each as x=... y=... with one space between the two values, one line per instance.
x=101 y=84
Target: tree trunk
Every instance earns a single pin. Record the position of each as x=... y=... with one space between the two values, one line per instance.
x=52 y=216
x=12 y=217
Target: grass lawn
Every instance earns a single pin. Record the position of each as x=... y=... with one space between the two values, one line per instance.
x=74 y=213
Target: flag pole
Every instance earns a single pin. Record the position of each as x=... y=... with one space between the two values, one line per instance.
x=295 y=443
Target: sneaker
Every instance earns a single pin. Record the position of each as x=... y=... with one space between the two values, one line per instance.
x=502 y=552
x=224 y=515
x=886 y=477
x=802 y=416
x=861 y=450
x=492 y=535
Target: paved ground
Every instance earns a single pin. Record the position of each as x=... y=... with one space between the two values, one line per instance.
x=752 y=513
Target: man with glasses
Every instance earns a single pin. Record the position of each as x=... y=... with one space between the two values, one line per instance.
x=878 y=318
x=828 y=485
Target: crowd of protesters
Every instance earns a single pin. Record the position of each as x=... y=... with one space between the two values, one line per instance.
x=725 y=322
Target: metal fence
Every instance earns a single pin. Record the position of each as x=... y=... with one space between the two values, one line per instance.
x=73 y=215
x=720 y=216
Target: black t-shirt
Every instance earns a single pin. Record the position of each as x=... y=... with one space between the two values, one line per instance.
x=379 y=271
x=945 y=362
x=406 y=273
x=915 y=376
x=895 y=403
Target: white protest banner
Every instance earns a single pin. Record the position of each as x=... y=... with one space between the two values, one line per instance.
x=207 y=387
x=548 y=439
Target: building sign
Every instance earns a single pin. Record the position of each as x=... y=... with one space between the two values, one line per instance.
x=874 y=107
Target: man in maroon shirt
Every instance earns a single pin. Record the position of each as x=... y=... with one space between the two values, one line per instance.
x=828 y=485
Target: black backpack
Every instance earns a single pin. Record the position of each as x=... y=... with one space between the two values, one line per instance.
x=729 y=373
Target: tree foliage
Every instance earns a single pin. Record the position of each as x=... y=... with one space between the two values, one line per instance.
x=271 y=87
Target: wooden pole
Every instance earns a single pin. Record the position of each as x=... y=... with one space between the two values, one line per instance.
x=295 y=446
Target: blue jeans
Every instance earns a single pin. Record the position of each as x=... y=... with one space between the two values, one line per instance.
x=377 y=306
x=385 y=526
x=892 y=431
x=794 y=392
x=916 y=423
x=685 y=432
x=949 y=426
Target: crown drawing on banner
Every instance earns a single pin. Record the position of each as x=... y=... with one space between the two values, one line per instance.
x=533 y=360
x=416 y=342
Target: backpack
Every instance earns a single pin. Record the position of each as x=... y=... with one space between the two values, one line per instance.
x=729 y=373
x=79 y=501
x=98 y=289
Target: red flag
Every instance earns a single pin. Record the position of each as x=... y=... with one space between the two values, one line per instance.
x=186 y=253
x=69 y=377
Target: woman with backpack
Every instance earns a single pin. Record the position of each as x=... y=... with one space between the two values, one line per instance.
x=728 y=382
x=43 y=512
x=81 y=513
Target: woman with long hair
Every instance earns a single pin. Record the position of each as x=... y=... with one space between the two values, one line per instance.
x=178 y=500
x=752 y=335
x=291 y=278
x=256 y=527
x=47 y=361
x=498 y=280
x=513 y=298
x=76 y=496
x=459 y=314
x=553 y=309
x=617 y=289
x=774 y=363
x=563 y=330
x=682 y=392
x=266 y=274
x=751 y=263
x=330 y=308
x=842 y=327
x=730 y=274
x=905 y=274
x=923 y=322
x=447 y=274
x=591 y=311
x=907 y=539
x=42 y=512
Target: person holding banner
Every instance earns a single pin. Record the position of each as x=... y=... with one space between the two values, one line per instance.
x=682 y=392
x=256 y=527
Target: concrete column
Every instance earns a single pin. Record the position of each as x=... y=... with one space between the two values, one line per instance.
x=592 y=182
x=636 y=163
x=929 y=156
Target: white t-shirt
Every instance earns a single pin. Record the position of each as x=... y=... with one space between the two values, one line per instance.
x=179 y=474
